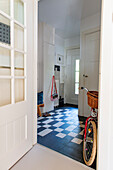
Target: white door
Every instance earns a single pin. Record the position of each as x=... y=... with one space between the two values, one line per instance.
x=91 y=66
x=72 y=76
x=15 y=80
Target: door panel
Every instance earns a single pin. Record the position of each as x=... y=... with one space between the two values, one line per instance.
x=91 y=66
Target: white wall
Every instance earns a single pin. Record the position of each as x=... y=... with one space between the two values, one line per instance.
x=48 y=73
x=72 y=42
x=59 y=50
x=46 y=53
x=50 y=45
x=62 y=44
x=40 y=59
x=90 y=22
x=59 y=47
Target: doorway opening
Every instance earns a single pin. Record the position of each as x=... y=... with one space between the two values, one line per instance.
x=69 y=49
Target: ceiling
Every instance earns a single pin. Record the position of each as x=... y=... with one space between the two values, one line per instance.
x=66 y=15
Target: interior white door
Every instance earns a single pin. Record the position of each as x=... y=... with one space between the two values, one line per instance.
x=15 y=81
x=91 y=66
x=72 y=56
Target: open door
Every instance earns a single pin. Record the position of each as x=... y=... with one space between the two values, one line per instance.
x=105 y=119
x=16 y=80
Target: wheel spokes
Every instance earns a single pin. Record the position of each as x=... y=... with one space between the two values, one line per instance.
x=89 y=140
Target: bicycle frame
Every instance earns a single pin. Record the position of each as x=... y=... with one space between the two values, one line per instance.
x=90 y=118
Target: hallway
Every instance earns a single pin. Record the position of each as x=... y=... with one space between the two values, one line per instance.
x=41 y=158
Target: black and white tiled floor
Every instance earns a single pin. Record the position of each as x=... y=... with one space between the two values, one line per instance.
x=62 y=132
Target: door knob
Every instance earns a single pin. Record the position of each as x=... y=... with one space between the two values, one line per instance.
x=85 y=75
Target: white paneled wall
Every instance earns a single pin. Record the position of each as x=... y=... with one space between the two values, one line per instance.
x=59 y=51
x=48 y=73
x=59 y=47
x=46 y=63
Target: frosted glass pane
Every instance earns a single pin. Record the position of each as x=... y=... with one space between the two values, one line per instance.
x=76 y=88
x=77 y=65
x=77 y=77
x=5 y=6
x=19 y=72
x=19 y=11
x=19 y=37
x=19 y=64
x=19 y=90
x=5 y=92
x=5 y=61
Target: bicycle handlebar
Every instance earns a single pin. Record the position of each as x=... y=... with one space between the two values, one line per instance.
x=84 y=88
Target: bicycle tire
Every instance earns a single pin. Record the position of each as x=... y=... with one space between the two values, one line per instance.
x=94 y=148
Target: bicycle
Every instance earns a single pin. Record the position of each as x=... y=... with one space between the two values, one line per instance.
x=90 y=132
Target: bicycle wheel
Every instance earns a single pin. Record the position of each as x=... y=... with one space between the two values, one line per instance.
x=90 y=144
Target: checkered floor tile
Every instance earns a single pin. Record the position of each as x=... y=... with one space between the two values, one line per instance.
x=63 y=132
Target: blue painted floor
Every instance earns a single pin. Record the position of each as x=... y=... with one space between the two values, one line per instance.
x=63 y=132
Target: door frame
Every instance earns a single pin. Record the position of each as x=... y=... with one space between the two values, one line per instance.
x=77 y=47
x=35 y=60
x=105 y=116
x=102 y=150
